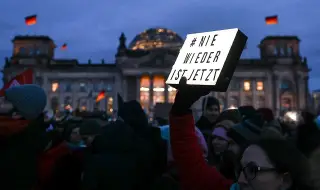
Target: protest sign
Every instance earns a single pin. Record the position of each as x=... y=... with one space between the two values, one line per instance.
x=209 y=59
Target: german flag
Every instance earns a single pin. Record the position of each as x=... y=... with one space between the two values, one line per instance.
x=31 y=20
x=271 y=20
x=101 y=96
x=64 y=46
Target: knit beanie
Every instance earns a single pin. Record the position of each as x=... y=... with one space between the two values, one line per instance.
x=221 y=132
x=29 y=100
x=247 y=111
x=231 y=115
x=247 y=131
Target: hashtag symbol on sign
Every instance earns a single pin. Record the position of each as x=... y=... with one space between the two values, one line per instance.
x=193 y=42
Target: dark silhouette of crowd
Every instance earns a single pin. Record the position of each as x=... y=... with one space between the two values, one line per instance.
x=238 y=149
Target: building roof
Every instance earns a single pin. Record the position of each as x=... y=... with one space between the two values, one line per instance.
x=33 y=37
x=316 y=91
x=154 y=38
x=280 y=38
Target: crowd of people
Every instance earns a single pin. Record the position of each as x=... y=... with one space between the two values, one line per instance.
x=236 y=149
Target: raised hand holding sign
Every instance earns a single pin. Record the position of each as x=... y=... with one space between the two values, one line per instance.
x=208 y=59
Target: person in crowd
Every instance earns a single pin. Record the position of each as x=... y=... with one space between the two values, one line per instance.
x=119 y=160
x=22 y=136
x=219 y=142
x=247 y=112
x=273 y=164
x=195 y=173
x=210 y=113
x=170 y=179
x=54 y=151
x=88 y=130
x=132 y=114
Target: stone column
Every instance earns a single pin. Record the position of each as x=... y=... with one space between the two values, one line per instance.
x=253 y=91
x=241 y=98
x=269 y=92
x=297 y=96
x=277 y=95
x=75 y=97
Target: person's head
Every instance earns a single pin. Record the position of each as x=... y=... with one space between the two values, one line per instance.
x=267 y=114
x=26 y=101
x=219 y=140
x=132 y=114
x=246 y=132
x=247 y=111
x=88 y=130
x=273 y=164
x=210 y=108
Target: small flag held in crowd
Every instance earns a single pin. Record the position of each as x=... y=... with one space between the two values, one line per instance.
x=31 y=20
x=64 y=46
x=271 y=20
x=101 y=96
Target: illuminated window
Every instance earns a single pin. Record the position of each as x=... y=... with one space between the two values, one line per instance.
x=54 y=86
x=158 y=89
x=110 y=105
x=171 y=94
x=83 y=108
x=259 y=85
x=246 y=85
x=144 y=92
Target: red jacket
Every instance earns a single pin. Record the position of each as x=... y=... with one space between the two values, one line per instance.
x=47 y=162
x=194 y=172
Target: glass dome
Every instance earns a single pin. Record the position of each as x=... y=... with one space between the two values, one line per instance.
x=156 y=38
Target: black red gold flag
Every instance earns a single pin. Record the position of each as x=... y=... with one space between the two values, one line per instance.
x=101 y=96
x=64 y=46
x=31 y=20
x=270 y=20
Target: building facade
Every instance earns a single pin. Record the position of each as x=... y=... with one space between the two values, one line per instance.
x=278 y=80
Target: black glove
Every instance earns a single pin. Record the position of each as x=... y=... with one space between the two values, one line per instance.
x=186 y=96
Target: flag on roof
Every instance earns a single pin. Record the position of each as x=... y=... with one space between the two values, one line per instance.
x=101 y=96
x=270 y=20
x=64 y=46
x=31 y=20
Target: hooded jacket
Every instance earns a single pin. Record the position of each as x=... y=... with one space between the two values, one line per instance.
x=194 y=172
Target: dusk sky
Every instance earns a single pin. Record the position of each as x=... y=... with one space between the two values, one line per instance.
x=91 y=27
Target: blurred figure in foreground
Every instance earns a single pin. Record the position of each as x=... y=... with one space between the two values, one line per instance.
x=22 y=135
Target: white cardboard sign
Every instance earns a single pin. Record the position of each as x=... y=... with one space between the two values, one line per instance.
x=208 y=59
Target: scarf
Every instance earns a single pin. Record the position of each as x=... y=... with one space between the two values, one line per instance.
x=9 y=126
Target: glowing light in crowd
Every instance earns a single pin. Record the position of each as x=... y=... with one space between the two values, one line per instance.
x=292 y=115
x=232 y=108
